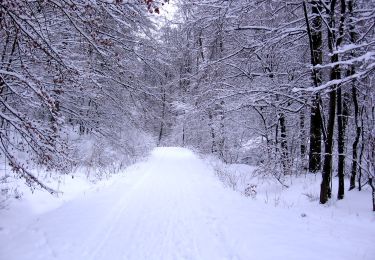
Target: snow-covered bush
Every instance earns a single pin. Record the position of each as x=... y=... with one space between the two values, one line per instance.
x=101 y=156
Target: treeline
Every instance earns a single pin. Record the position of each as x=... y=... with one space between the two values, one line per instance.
x=288 y=85
x=72 y=82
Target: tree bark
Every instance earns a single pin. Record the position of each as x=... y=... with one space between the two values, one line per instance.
x=325 y=187
x=358 y=130
x=372 y=192
x=361 y=151
x=356 y=140
x=302 y=138
x=315 y=148
x=340 y=117
x=315 y=39
x=213 y=143
x=161 y=131
x=340 y=145
x=283 y=143
x=221 y=139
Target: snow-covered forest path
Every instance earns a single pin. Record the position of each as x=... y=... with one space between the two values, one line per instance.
x=172 y=207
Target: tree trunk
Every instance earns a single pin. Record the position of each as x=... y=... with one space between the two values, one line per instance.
x=340 y=117
x=302 y=138
x=356 y=140
x=358 y=130
x=340 y=146
x=372 y=192
x=315 y=137
x=213 y=143
x=183 y=135
x=325 y=187
x=221 y=139
x=161 y=131
x=284 y=144
x=361 y=152
x=315 y=39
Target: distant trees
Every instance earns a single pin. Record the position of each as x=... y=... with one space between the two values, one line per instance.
x=273 y=69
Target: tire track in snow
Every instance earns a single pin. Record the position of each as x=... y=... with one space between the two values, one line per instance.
x=108 y=225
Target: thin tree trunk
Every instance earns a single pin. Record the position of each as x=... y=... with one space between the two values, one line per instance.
x=221 y=141
x=302 y=138
x=340 y=145
x=213 y=143
x=161 y=131
x=372 y=192
x=358 y=130
x=340 y=116
x=315 y=137
x=361 y=152
x=183 y=135
x=356 y=140
x=325 y=187
x=283 y=143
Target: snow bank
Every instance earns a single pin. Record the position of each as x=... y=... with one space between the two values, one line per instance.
x=172 y=206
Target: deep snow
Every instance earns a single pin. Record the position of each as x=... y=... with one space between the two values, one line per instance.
x=172 y=206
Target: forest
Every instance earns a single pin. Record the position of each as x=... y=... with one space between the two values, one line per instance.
x=287 y=87
x=295 y=78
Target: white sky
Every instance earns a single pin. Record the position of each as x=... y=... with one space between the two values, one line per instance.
x=167 y=12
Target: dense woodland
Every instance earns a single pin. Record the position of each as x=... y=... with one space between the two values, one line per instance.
x=284 y=85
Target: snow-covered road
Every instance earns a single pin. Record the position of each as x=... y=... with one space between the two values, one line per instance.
x=173 y=207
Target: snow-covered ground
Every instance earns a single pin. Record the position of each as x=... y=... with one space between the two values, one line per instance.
x=173 y=206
